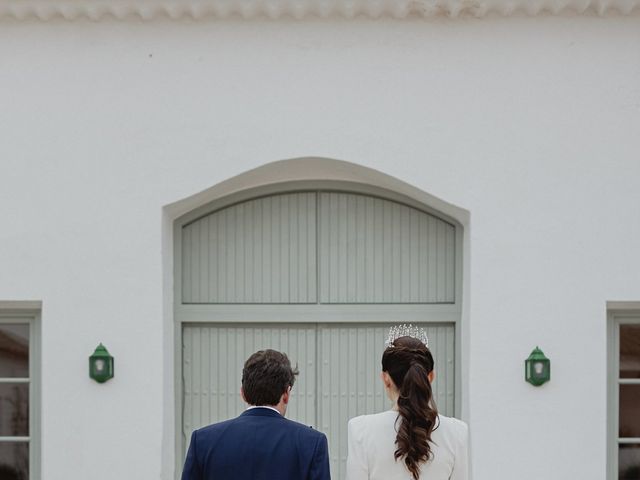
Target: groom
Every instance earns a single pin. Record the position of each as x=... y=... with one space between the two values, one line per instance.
x=260 y=444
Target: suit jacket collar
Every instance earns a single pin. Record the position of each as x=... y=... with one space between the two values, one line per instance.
x=261 y=412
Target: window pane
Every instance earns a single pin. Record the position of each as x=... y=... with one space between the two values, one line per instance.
x=629 y=462
x=14 y=350
x=14 y=461
x=14 y=410
x=629 y=351
x=629 y=411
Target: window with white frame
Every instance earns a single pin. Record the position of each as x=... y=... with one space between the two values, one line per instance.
x=18 y=425
x=625 y=398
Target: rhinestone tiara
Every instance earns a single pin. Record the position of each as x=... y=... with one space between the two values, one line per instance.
x=407 y=330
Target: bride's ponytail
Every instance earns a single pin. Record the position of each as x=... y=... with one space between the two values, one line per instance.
x=409 y=363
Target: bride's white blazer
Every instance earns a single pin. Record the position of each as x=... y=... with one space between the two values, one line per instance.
x=372 y=443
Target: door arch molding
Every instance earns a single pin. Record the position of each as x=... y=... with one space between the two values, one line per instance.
x=291 y=173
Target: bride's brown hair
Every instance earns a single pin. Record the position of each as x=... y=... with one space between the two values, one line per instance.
x=409 y=362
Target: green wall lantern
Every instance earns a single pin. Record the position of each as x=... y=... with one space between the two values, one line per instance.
x=101 y=365
x=537 y=368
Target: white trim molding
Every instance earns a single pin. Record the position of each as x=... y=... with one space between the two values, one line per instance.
x=300 y=9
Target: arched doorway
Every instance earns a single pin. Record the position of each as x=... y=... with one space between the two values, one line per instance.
x=318 y=269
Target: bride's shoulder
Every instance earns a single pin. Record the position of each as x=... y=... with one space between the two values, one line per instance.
x=452 y=426
x=451 y=422
x=381 y=418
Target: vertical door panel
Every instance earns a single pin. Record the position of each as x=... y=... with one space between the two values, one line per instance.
x=213 y=357
x=349 y=378
x=258 y=251
x=373 y=250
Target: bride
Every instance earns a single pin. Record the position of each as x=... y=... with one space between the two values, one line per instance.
x=411 y=441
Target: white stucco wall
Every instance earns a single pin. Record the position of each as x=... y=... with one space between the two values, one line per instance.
x=530 y=124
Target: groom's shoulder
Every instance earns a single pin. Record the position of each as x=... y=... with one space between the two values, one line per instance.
x=214 y=428
x=219 y=429
x=302 y=429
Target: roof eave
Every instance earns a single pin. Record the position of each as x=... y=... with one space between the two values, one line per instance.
x=301 y=9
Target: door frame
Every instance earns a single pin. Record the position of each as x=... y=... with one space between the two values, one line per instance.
x=308 y=313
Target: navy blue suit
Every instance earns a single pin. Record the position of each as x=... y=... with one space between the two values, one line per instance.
x=260 y=444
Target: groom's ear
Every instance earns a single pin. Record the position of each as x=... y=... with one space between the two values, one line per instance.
x=286 y=395
x=244 y=399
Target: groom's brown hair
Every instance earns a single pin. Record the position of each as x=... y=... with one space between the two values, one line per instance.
x=266 y=375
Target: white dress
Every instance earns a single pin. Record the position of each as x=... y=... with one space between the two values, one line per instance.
x=372 y=443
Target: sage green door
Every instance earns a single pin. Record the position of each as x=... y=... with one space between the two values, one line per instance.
x=320 y=274
x=339 y=373
x=213 y=356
